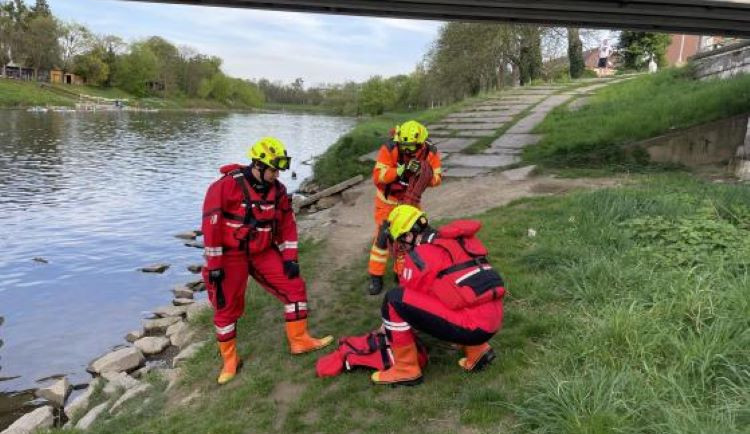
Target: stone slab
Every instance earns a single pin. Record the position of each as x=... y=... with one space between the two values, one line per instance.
x=469 y=126
x=499 y=110
x=526 y=92
x=439 y=133
x=485 y=161
x=476 y=133
x=513 y=141
x=488 y=119
x=502 y=106
x=454 y=144
x=520 y=174
x=464 y=172
x=527 y=124
x=552 y=102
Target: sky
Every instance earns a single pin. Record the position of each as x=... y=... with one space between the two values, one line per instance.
x=266 y=44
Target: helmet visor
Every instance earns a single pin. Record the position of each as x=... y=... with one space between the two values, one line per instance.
x=408 y=146
x=281 y=163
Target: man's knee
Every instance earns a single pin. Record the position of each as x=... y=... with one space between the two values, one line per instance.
x=393 y=297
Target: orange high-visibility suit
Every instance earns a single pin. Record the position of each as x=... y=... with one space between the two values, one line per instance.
x=390 y=189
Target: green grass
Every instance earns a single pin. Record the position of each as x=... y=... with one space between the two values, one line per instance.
x=612 y=325
x=21 y=94
x=96 y=91
x=634 y=110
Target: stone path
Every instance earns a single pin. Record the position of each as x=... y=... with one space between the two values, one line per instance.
x=460 y=130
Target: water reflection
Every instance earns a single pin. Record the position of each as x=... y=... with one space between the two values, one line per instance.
x=98 y=195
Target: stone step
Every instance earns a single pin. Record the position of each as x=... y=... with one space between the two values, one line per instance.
x=481 y=160
x=464 y=172
x=454 y=144
x=509 y=141
x=467 y=126
x=478 y=120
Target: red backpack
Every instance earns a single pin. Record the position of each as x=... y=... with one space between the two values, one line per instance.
x=372 y=351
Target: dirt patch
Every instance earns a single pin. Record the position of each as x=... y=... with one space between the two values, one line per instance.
x=283 y=395
x=348 y=229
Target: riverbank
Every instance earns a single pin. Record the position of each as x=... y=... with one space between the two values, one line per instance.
x=25 y=94
x=664 y=352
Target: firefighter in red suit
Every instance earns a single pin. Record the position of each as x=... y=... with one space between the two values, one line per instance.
x=249 y=230
x=447 y=289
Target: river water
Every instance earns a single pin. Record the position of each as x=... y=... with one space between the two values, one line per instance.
x=98 y=195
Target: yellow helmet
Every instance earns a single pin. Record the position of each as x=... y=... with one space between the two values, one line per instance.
x=402 y=218
x=271 y=152
x=411 y=132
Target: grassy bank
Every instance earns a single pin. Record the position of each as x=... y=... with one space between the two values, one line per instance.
x=20 y=94
x=23 y=94
x=341 y=160
x=627 y=312
x=637 y=109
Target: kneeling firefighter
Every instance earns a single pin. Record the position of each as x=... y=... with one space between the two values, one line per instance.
x=447 y=289
x=249 y=229
x=406 y=159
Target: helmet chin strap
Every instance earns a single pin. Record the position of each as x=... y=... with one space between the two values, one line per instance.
x=261 y=184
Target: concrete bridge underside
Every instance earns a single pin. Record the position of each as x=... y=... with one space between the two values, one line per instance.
x=707 y=17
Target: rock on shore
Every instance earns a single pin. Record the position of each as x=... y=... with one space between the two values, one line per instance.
x=124 y=359
x=42 y=417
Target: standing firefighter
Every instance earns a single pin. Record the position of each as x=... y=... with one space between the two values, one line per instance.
x=249 y=229
x=405 y=158
x=447 y=289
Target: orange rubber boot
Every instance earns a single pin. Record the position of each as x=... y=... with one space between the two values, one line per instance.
x=232 y=362
x=300 y=341
x=405 y=370
x=477 y=357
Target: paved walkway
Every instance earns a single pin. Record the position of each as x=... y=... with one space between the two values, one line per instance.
x=458 y=131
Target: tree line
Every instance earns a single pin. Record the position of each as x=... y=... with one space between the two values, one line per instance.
x=465 y=59
x=33 y=37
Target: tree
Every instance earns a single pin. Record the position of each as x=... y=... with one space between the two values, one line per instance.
x=92 y=68
x=75 y=39
x=136 y=70
x=530 y=54
x=41 y=9
x=6 y=32
x=42 y=48
x=639 y=47
x=376 y=96
x=575 y=53
x=168 y=65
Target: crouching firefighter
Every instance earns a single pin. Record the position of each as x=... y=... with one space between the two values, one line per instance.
x=399 y=163
x=249 y=230
x=448 y=289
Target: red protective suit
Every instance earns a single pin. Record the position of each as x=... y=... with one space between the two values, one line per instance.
x=448 y=290
x=254 y=242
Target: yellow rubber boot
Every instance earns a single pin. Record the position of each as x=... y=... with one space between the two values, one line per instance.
x=228 y=352
x=300 y=341
x=477 y=357
x=405 y=370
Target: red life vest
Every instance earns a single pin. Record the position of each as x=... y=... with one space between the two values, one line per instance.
x=254 y=220
x=470 y=281
x=371 y=351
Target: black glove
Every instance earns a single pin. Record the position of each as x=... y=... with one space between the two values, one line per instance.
x=413 y=166
x=215 y=277
x=291 y=269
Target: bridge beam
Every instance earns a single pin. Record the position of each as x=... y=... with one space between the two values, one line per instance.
x=706 y=17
